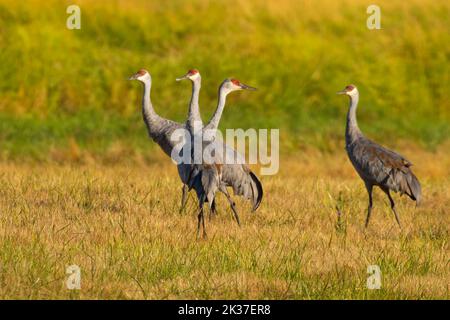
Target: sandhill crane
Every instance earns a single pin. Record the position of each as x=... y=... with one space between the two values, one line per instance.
x=376 y=165
x=238 y=176
x=161 y=129
x=209 y=177
x=193 y=117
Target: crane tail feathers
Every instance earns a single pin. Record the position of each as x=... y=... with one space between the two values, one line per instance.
x=415 y=191
x=258 y=193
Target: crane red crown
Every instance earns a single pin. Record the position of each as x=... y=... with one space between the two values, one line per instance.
x=236 y=82
x=193 y=71
x=142 y=72
x=349 y=88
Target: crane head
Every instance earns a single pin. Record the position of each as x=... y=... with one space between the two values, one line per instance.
x=349 y=90
x=141 y=75
x=235 y=84
x=192 y=75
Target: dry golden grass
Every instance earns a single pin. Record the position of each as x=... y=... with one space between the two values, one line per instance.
x=122 y=226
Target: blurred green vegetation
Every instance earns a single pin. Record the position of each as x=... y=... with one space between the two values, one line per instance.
x=64 y=89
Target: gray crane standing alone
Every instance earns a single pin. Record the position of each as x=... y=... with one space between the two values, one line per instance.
x=376 y=165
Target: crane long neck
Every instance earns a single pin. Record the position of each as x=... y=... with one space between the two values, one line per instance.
x=215 y=119
x=194 y=108
x=148 y=113
x=352 y=131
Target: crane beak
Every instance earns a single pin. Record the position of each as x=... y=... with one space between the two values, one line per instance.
x=133 y=77
x=183 y=77
x=246 y=87
x=341 y=92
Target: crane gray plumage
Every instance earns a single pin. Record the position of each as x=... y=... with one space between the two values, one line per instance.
x=376 y=165
x=193 y=117
x=159 y=129
x=238 y=176
x=235 y=174
x=215 y=174
x=208 y=178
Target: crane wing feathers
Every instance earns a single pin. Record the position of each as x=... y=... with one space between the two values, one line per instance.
x=383 y=167
x=237 y=175
x=210 y=180
x=165 y=129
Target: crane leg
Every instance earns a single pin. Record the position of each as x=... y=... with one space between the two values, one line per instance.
x=369 y=208
x=184 y=194
x=201 y=223
x=201 y=220
x=204 y=229
x=393 y=206
x=213 y=211
x=232 y=204
x=185 y=191
x=233 y=208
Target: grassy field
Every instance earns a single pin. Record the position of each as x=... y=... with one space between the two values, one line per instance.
x=80 y=182
x=121 y=226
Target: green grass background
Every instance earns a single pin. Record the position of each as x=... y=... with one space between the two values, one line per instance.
x=64 y=92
